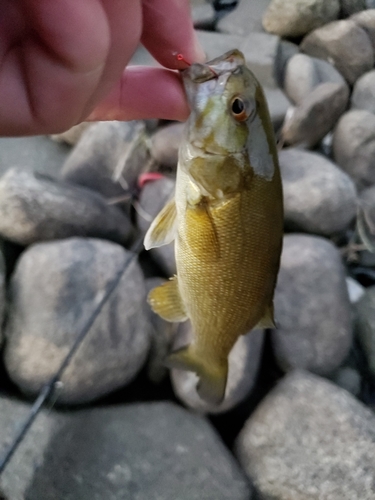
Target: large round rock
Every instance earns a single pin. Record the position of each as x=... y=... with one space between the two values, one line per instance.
x=54 y=291
x=34 y=207
x=354 y=145
x=309 y=440
x=363 y=96
x=318 y=196
x=292 y=18
x=312 y=307
x=343 y=43
x=2 y=293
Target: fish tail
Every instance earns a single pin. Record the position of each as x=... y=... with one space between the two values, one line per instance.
x=212 y=374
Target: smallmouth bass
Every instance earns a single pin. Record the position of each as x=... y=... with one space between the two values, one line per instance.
x=226 y=220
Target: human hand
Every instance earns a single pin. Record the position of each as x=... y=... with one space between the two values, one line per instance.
x=64 y=60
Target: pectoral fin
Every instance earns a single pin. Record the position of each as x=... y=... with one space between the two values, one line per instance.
x=166 y=301
x=201 y=235
x=212 y=375
x=163 y=228
x=268 y=320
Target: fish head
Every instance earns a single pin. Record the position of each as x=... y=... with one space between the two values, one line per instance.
x=229 y=113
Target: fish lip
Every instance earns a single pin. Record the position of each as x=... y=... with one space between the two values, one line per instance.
x=203 y=72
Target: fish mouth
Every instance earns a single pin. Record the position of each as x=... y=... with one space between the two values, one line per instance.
x=227 y=63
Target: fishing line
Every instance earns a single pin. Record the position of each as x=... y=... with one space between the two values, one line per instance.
x=48 y=388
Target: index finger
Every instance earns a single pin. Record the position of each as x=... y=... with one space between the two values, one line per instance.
x=168 y=30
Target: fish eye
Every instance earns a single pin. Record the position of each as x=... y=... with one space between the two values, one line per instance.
x=239 y=109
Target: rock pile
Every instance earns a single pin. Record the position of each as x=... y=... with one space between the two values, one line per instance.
x=298 y=412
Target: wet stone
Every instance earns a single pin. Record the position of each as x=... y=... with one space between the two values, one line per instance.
x=345 y=45
x=349 y=379
x=363 y=96
x=312 y=308
x=318 y=196
x=109 y=158
x=365 y=326
x=53 y=293
x=153 y=197
x=304 y=73
x=34 y=207
x=316 y=114
x=278 y=105
x=244 y=360
x=293 y=18
x=354 y=145
x=355 y=289
x=309 y=440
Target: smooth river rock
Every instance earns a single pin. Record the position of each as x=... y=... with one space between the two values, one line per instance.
x=309 y=440
x=318 y=196
x=366 y=20
x=343 y=43
x=354 y=146
x=34 y=207
x=143 y=451
x=304 y=73
x=2 y=294
x=54 y=291
x=293 y=18
x=316 y=114
x=312 y=307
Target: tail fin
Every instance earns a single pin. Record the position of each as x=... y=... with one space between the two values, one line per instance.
x=212 y=375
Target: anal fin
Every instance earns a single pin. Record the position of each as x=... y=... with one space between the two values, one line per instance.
x=166 y=301
x=163 y=228
x=212 y=375
x=268 y=320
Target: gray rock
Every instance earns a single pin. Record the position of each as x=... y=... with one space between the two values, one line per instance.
x=366 y=20
x=355 y=289
x=349 y=379
x=34 y=208
x=312 y=307
x=72 y=135
x=245 y=18
x=354 y=145
x=163 y=334
x=109 y=158
x=309 y=440
x=54 y=291
x=344 y=44
x=318 y=196
x=363 y=96
x=293 y=18
x=304 y=73
x=316 y=114
x=365 y=326
x=244 y=360
x=366 y=219
x=153 y=197
x=349 y=7
x=143 y=451
x=278 y=105
x=165 y=144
